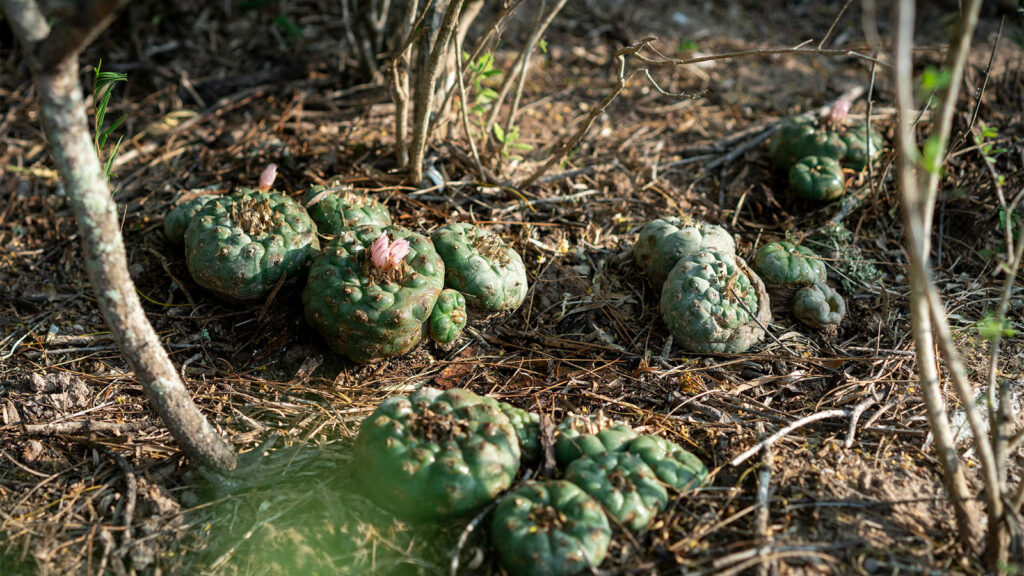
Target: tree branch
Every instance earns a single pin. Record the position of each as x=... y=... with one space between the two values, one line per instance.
x=67 y=130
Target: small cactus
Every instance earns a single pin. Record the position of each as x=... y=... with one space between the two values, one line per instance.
x=819 y=306
x=488 y=272
x=784 y=267
x=550 y=528
x=527 y=425
x=448 y=317
x=335 y=210
x=712 y=302
x=623 y=483
x=677 y=467
x=435 y=455
x=240 y=245
x=178 y=219
x=817 y=178
x=662 y=242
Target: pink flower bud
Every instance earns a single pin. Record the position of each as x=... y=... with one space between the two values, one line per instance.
x=268 y=176
x=379 y=252
x=837 y=113
x=398 y=251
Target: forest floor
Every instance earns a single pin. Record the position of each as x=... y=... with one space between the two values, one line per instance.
x=92 y=483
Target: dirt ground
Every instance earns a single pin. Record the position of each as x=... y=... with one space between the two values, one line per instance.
x=216 y=91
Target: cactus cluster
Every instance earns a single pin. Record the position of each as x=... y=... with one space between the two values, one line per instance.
x=374 y=291
x=813 y=155
x=438 y=455
x=797 y=279
x=710 y=300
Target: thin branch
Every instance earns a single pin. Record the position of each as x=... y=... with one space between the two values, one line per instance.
x=771 y=440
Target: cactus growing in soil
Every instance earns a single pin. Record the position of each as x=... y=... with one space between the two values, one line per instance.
x=677 y=467
x=784 y=267
x=478 y=263
x=448 y=317
x=578 y=436
x=549 y=528
x=662 y=242
x=335 y=210
x=782 y=146
x=863 y=144
x=371 y=291
x=527 y=425
x=712 y=302
x=623 y=483
x=435 y=455
x=819 y=306
x=822 y=143
x=817 y=178
x=178 y=219
x=239 y=246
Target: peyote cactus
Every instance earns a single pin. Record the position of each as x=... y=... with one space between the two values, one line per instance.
x=677 y=467
x=664 y=241
x=479 y=264
x=549 y=528
x=623 y=483
x=371 y=291
x=710 y=302
x=178 y=219
x=819 y=306
x=448 y=317
x=817 y=178
x=240 y=245
x=435 y=455
x=784 y=267
x=822 y=143
x=863 y=144
x=527 y=425
x=783 y=141
x=335 y=209
x=581 y=435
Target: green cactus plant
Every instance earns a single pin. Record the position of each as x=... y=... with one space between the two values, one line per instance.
x=549 y=528
x=712 y=302
x=822 y=143
x=817 y=178
x=819 y=306
x=783 y=141
x=784 y=267
x=863 y=144
x=583 y=435
x=371 y=291
x=662 y=242
x=335 y=209
x=675 y=466
x=240 y=245
x=623 y=483
x=478 y=263
x=527 y=425
x=448 y=317
x=178 y=219
x=435 y=455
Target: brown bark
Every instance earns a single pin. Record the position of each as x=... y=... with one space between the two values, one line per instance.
x=53 y=58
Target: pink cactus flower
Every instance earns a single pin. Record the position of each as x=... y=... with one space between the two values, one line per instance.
x=268 y=176
x=837 y=113
x=398 y=251
x=379 y=251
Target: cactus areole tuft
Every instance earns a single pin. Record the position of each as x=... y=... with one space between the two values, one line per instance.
x=662 y=242
x=435 y=455
x=488 y=272
x=335 y=209
x=371 y=291
x=549 y=528
x=239 y=246
x=712 y=302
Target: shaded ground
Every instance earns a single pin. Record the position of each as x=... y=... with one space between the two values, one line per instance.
x=215 y=92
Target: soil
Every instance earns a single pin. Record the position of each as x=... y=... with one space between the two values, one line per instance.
x=92 y=483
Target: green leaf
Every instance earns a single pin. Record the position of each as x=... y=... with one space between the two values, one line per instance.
x=499 y=133
x=991 y=327
x=930 y=154
x=934 y=79
x=291 y=29
x=688 y=46
x=543 y=45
